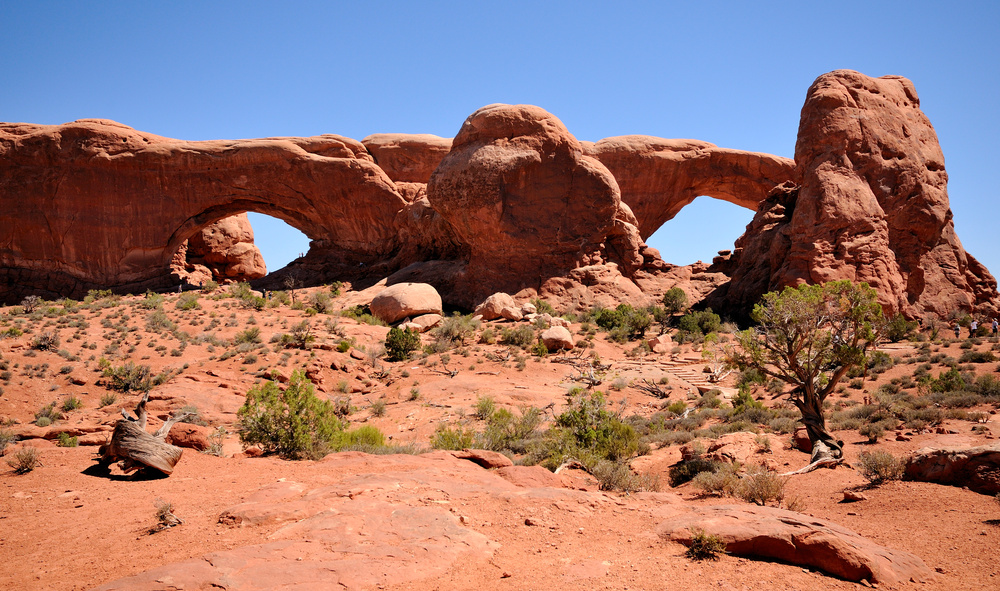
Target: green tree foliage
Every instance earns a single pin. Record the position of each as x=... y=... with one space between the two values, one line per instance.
x=400 y=343
x=810 y=337
x=293 y=422
x=675 y=300
x=596 y=430
x=700 y=322
x=624 y=322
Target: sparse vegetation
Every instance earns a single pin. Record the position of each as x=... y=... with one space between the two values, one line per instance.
x=24 y=460
x=880 y=466
x=705 y=546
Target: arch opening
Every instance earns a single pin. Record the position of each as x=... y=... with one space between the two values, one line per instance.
x=232 y=246
x=700 y=230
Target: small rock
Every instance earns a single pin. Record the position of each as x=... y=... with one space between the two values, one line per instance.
x=851 y=496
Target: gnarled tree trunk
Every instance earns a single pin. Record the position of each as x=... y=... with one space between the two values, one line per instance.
x=136 y=449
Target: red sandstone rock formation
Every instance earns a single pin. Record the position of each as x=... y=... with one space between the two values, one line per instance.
x=872 y=206
x=96 y=204
x=407 y=157
x=658 y=177
x=519 y=191
x=223 y=251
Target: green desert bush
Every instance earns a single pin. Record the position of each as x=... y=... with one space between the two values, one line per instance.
x=520 y=336
x=456 y=438
x=128 y=377
x=399 y=344
x=292 y=423
x=66 y=440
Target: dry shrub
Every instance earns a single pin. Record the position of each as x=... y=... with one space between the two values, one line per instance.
x=761 y=485
x=880 y=466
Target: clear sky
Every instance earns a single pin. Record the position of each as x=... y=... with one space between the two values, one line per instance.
x=733 y=73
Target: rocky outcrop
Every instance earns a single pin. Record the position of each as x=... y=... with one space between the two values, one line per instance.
x=223 y=251
x=791 y=537
x=407 y=157
x=658 y=177
x=977 y=468
x=96 y=204
x=519 y=191
x=514 y=203
x=871 y=205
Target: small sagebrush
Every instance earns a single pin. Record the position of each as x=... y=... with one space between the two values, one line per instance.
x=24 y=460
x=705 y=546
x=880 y=466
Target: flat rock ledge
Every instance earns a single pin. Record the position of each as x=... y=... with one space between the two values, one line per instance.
x=766 y=532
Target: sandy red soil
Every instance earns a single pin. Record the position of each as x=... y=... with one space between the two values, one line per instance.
x=61 y=528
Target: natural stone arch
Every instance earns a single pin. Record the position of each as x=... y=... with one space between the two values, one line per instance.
x=658 y=177
x=94 y=203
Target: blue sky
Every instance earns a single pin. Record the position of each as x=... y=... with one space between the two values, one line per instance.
x=732 y=73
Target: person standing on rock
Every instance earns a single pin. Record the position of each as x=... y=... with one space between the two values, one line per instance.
x=996 y=325
x=973 y=326
x=958 y=330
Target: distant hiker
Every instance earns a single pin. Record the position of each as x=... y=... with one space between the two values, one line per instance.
x=995 y=326
x=973 y=327
x=958 y=330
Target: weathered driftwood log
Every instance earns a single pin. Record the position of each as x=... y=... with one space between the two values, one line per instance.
x=135 y=449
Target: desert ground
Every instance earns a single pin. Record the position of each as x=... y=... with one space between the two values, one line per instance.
x=426 y=518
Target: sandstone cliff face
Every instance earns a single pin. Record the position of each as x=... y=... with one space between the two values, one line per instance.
x=96 y=204
x=223 y=251
x=514 y=203
x=872 y=206
x=658 y=177
x=519 y=192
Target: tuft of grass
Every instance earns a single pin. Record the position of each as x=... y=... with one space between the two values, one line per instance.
x=107 y=399
x=71 y=403
x=705 y=546
x=66 y=440
x=7 y=437
x=485 y=405
x=377 y=408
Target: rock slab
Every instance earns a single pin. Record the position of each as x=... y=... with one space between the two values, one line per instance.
x=766 y=532
x=975 y=467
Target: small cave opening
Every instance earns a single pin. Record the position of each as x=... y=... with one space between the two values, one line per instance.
x=700 y=230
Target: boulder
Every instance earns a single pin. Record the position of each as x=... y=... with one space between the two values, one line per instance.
x=770 y=533
x=511 y=313
x=426 y=322
x=869 y=203
x=492 y=306
x=977 y=468
x=661 y=344
x=225 y=249
x=190 y=436
x=557 y=338
x=405 y=300
x=519 y=191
